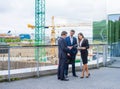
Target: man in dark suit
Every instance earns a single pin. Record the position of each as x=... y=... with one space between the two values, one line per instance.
x=62 y=55
x=71 y=41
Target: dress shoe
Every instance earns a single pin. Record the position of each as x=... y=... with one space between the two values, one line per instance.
x=58 y=78
x=65 y=79
x=75 y=75
x=66 y=76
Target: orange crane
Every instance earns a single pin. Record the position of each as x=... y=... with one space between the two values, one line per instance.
x=63 y=25
x=53 y=26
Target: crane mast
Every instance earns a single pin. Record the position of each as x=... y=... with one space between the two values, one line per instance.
x=39 y=27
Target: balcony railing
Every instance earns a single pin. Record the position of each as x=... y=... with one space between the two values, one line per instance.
x=25 y=60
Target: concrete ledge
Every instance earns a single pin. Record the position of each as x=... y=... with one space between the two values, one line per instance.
x=47 y=72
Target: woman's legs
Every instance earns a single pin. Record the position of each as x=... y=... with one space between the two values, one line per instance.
x=83 y=70
x=86 y=69
x=85 y=66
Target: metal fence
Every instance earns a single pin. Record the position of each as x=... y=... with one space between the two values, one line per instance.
x=17 y=60
x=114 y=49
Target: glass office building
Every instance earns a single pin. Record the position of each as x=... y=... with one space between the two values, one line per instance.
x=114 y=35
x=99 y=22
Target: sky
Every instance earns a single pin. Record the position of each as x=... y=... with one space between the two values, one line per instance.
x=114 y=17
x=16 y=14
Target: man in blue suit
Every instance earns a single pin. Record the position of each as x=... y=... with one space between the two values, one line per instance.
x=71 y=42
x=63 y=51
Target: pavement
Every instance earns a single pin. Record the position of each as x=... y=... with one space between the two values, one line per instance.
x=102 y=78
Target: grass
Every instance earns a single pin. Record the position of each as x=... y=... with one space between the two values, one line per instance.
x=14 y=79
x=1 y=77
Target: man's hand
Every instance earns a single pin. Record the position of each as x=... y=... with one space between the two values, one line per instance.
x=68 y=54
x=70 y=47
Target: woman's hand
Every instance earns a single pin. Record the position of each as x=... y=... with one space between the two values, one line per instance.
x=81 y=48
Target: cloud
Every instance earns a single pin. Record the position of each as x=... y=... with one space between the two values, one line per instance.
x=70 y=9
x=99 y=10
x=16 y=14
x=113 y=6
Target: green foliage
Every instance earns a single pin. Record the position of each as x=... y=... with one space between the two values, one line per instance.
x=77 y=60
x=14 y=79
x=2 y=39
x=7 y=40
x=114 y=31
x=100 y=30
x=0 y=77
x=18 y=40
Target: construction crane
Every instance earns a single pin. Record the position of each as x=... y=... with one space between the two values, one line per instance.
x=53 y=26
x=39 y=22
x=53 y=39
x=52 y=32
x=39 y=28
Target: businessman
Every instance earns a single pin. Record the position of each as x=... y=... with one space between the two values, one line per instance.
x=71 y=42
x=63 y=51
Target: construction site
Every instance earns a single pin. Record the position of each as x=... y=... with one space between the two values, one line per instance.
x=25 y=53
x=40 y=47
x=33 y=34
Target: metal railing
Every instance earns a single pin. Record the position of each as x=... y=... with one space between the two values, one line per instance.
x=18 y=60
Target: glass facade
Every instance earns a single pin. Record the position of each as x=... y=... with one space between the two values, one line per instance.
x=99 y=22
x=114 y=35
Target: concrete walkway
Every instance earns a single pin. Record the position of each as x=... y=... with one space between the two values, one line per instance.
x=103 y=78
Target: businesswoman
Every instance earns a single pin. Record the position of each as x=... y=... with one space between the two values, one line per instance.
x=83 y=47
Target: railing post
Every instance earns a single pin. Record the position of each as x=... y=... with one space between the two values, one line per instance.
x=37 y=48
x=97 y=56
x=9 y=64
x=80 y=65
x=104 y=55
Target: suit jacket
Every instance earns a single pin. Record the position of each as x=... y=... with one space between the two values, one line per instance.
x=73 y=51
x=86 y=45
x=62 y=49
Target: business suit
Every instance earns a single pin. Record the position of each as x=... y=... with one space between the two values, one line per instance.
x=84 y=52
x=62 y=55
x=73 y=53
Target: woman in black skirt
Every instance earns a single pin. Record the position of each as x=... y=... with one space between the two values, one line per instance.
x=83 y=47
